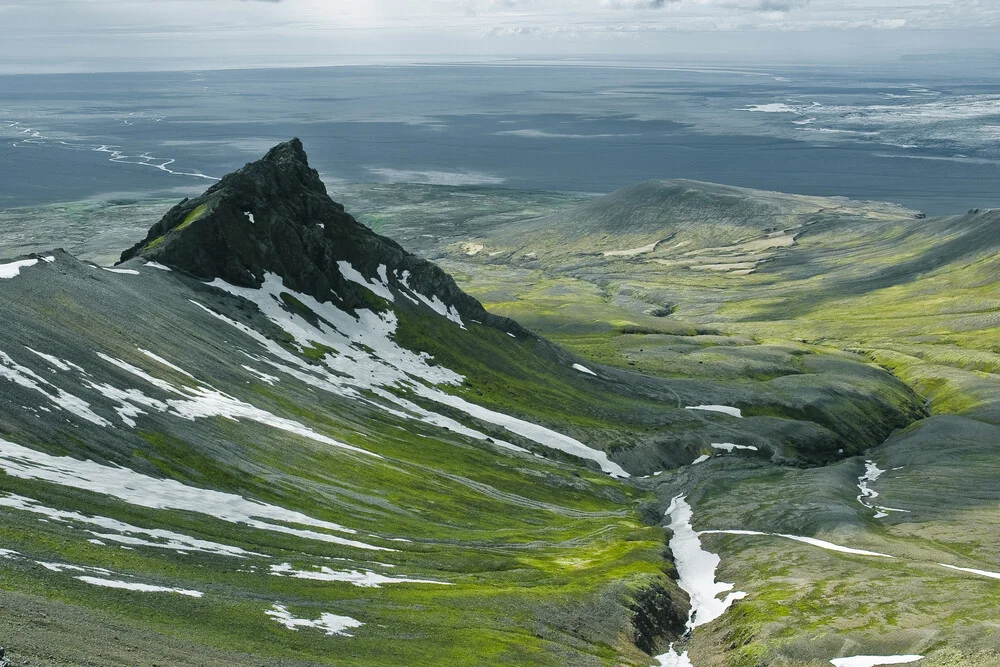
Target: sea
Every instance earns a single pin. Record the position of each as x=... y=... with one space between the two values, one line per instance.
x=922 y=132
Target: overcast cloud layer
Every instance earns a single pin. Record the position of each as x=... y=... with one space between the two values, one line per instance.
x=74 y=35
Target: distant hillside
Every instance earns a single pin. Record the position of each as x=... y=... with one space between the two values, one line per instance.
x=655 y=216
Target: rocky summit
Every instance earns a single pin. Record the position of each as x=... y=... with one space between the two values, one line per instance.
x=275 y=216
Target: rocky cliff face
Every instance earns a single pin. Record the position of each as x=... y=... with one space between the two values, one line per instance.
x=275 y=216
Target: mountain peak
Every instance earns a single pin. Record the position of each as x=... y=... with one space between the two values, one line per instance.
x=288 y=151
x=283 y=172
x=271 y=215
x=274 y=216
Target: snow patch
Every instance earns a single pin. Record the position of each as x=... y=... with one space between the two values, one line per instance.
x=872 y=473
x=379 y=288
x=142 y=588
x=128 y=401
x=206 y=403
x=164 y=362
x=56 y=362
x=875 y=660
x=672 y=659
x=163 y=385
x=433 y=302
x=66 y=567
x=127 y=272
x=701 y=459
x=725 y=409
x=539 y=434
x=439 y=306
x=262 y=376
x=696 y=568
x=13 y=269
x=331 y=624
x=729 y=447
x=822 y=544
x=362 y=579
x=25 y=377
x=157 y=265
x=584 y=369
x=981 y=573
x=441 y=421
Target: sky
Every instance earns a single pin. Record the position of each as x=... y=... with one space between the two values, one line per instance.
x=119 y=35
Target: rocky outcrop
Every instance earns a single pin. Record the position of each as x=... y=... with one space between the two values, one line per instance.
x=657 y=614
x=275 y=216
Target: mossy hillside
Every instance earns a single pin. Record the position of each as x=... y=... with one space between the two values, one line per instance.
x=345 y=487
x=521 y=538
x=448 y=624
x=519 y=376
x=437 y=624
x=856 y=277
x=886 y=624
x=630 y=414
x=494 y=564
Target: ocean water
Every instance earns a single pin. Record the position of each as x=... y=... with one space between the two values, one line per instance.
x=926 y=137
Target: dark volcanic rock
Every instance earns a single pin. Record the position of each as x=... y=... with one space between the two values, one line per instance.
x=275 y=216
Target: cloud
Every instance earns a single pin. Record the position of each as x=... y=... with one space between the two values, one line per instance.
x=52 y=35
x=638 y=4
x=779 y=5
x=764 y=6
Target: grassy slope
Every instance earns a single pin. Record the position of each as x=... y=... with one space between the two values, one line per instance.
x=531 y=545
